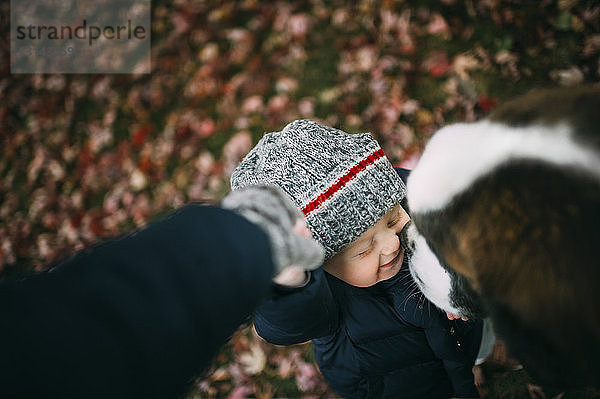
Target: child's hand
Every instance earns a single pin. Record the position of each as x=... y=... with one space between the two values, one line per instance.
x=291 y=240
x=294 y=276
x=451 y=316
x=291 y=276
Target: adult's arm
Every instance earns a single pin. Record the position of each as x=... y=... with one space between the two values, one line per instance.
x=137 y=316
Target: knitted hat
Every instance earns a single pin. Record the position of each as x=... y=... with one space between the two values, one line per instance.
x=343 y=183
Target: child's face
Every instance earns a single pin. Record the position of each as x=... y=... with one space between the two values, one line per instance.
x=374 y=256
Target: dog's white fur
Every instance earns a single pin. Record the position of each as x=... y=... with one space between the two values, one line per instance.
x=432 y=279
x=478 y=148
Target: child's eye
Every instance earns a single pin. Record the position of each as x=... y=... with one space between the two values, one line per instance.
x=366 y=251
x=395 y=220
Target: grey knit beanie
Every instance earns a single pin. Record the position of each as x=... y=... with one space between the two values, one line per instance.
x=343 y=183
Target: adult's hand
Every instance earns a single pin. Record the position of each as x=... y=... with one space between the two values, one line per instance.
x=291 y=242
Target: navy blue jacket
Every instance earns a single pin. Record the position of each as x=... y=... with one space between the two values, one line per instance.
x=135 y=317
x=383 y=341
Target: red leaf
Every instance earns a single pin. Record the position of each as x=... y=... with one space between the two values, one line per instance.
x=207 y=128
x=76 y=220
x=439 y=69
x=182 y=132
x=96 y=226
x=139 y=137
x=487 y=103
x=85 y=157
x=145 y=164
x=437 y=64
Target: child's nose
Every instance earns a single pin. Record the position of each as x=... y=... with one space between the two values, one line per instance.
x=391 y=243
x=400 y=225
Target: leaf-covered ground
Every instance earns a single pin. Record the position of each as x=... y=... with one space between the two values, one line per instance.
x=91 y=156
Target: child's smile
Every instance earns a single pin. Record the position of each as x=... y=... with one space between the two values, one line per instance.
x=391 y=263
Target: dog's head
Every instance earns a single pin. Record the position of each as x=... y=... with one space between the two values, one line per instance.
x=512 y=205
x=442 y=285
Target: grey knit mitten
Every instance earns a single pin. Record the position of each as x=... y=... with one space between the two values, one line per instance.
x=269 y=208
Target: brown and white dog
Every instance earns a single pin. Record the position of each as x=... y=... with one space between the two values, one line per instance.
x=510 y=206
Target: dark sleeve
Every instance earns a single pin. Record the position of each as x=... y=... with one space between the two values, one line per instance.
x=457 y=347
x=134 y=317
x=294 y=315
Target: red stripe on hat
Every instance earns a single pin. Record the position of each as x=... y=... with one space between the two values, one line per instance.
x=342 y=181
